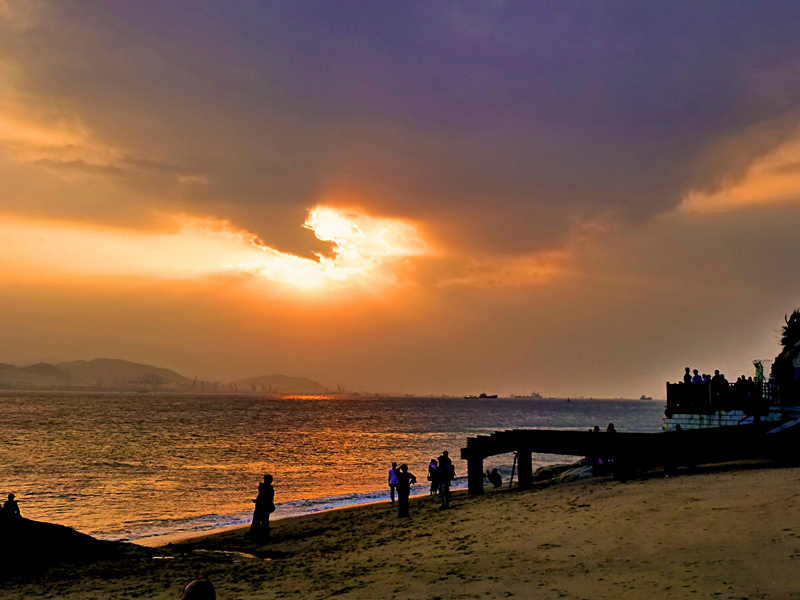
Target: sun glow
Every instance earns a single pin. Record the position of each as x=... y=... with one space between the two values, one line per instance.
x=361 y=244
x=363 y=250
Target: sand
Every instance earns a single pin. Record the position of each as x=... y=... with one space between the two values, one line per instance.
x=731 y=532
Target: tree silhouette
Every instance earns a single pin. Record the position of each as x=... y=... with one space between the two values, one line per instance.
x=786 y=367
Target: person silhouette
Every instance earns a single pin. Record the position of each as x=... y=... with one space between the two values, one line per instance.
x=446 y=473
x=404 y=481
x=392 y=480
x=433 y=476
x=265 y=505
x=494 y=477
x=11 y=508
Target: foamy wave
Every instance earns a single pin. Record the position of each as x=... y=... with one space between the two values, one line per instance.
x=133 y=531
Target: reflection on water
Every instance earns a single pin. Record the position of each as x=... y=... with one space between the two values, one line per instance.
x=125 y=466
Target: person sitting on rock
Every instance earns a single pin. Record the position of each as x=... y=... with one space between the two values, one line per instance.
x=494 y=477
x=11 y=508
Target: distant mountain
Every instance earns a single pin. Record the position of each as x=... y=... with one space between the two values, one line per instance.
x=118 y=373
x=280 y=384
x=46 y=370
x=16 y=377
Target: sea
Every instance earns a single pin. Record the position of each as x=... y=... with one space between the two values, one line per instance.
x=149 y=467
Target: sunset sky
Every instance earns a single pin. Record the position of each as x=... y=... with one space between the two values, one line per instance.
x=579 y=198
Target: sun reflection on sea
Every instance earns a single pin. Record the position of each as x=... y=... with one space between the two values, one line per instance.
x=309 y=397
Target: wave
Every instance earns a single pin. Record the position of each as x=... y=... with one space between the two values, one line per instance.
x=140 y=530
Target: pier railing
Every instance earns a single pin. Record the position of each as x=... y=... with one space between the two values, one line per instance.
x=751 y=397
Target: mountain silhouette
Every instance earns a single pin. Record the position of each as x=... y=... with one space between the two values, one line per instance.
x=118 y=374
x=46 y=370
x=115 y=372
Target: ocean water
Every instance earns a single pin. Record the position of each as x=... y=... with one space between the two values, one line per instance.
x=130 y=467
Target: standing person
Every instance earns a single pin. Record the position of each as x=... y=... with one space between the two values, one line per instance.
x=265 y=505
x=433 y=476
x=687 y=376
x=404 y=481
x=446 y=473
x=392 y=480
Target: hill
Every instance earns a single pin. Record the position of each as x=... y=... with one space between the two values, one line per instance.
x=123 y=375
x=118 y=373
x=280 y=384
x=47 y=370
x=21 y=377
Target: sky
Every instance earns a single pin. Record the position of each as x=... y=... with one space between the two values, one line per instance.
x=574 y=198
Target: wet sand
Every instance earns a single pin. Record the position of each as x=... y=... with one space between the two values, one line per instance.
x=731 y=532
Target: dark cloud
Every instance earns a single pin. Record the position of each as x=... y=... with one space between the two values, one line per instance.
x=493 y=114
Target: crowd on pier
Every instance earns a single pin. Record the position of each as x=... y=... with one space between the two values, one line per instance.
x=705 y=394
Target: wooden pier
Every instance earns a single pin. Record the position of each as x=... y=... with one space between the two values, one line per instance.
x=626 y=452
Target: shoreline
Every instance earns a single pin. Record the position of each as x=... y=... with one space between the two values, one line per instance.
x=726 y=531
x=287 y=510
x=188 y=536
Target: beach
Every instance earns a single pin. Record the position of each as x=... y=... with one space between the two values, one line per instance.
x=730 y=531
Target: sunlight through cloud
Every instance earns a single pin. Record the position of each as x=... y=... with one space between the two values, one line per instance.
x=363 y=249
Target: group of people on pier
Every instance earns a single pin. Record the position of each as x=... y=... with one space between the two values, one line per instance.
x=695 y=377
x=705 y=393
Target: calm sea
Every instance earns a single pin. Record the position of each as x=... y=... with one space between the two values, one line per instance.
x=128 y=467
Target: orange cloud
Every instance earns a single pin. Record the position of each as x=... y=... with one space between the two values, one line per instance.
x=508 y=271
x=34 y=129
x=771 y=179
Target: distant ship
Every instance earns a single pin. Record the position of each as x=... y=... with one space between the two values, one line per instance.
x=481 y=396
x=646 y=397
x=531 y=395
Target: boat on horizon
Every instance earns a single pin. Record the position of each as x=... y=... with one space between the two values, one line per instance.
x=480 y=397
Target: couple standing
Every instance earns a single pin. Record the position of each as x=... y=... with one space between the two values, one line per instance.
x=265 y=505
x=400 y=480
x=441 y=476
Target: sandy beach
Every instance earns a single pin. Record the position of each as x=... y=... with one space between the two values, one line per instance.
x=721 y=532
